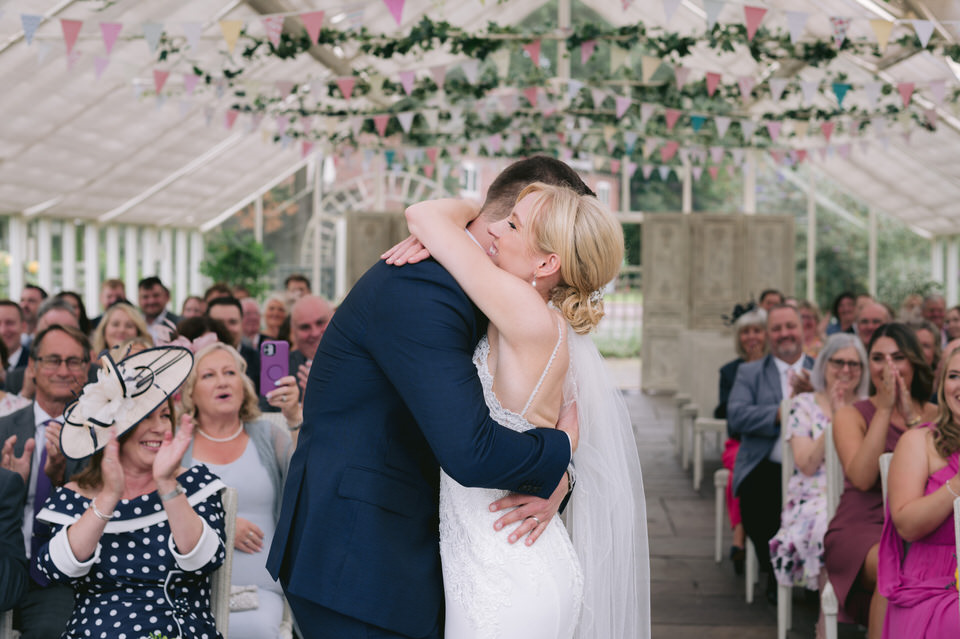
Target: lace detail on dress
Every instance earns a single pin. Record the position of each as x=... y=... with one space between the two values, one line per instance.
x=487 y=581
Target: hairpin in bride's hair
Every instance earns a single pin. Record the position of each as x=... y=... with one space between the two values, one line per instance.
x=596 y=297
x=738 y=310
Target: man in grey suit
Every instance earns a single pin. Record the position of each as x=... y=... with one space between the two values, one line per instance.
x=59 y=358
x=753 y=413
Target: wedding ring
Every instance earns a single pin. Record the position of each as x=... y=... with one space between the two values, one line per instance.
x=249 y=533
x=534 y=517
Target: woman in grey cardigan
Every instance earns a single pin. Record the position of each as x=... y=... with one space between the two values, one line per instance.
x=251 y=454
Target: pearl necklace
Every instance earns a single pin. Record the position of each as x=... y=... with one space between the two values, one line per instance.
x=221 y=440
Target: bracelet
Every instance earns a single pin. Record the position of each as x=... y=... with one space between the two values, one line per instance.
x=96 y=511
x=913 y=422
x=950 y=488
x=177 y=490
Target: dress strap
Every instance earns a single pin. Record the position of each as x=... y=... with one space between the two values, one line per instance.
x=543 y=375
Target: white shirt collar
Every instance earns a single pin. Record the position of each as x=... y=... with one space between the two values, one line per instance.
x=40 y=416
x=782 y=366
x=475 y=240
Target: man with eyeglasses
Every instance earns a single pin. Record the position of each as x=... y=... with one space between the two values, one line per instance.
x=59 y=359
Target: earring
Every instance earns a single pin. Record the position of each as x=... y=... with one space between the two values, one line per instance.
x=534 y=282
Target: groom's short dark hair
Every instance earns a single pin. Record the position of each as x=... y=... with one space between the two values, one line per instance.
x=503 y=192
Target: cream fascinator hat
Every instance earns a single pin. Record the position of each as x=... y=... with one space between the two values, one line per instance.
x=123 y=395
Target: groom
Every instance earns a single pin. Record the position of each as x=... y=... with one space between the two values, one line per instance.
x=393 y=396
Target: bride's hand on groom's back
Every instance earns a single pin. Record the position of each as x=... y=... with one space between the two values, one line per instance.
x=408 y=251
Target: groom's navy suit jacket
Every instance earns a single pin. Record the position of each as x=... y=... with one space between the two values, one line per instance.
x=391 y=392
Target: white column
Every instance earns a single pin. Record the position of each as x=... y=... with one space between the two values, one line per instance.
x=182 y=270
x=341 y=269
x=258 y=219
x=91 y=267
x=872 y=252
x=148 y=252
x=811 y=237
x=165 y=256
x=113 y=253
x=686 y=205
x=131 y=251
x=625 y=184
x=953 y=267
x=563 y=22
x=316 y=199
x=196 y=257
x=45 y=254
x=68 y=268
x=18 y=255
x=936 y=260
x=750 y=182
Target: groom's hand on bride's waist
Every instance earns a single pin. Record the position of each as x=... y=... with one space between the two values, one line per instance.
x=533 y=513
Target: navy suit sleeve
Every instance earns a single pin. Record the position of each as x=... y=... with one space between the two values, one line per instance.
x=13 y=558
x=745 y=415
x=424 y=347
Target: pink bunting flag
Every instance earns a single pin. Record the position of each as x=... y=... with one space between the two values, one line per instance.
x=273 y=25
x=713 y=171
x=931 y=115
x=530 y=93
x=432 y=154
x=306 y=148
x=681 y=74
x=396 y=9
x=74 y=55
x=623 y=103
x=672 y=115
x=100 y=65
x=380 y=122
x=110 y=31
x=439 y=74
x=614 y=166
x=646 y=110
x=428 y=170
x=840 y=26
x=230 y=118
x=668 y=150
x=282 y=123
x=938 y=91
x=745 y=82
x=71 y=29
x=753 y=16
x=713 y=80
x=827 y=129
x=190 y=82
x=406 y=80
x=801 y=155
x=306 y=125
x=160 y=79
x=716 y=154
x=906 y=91
x=844 y=150
x=598 y=96
x=533 y=50
x=346 y=85
x=313 y=21
x=647 y=171
x=773 y=128
x=587 y=48
x=697 y=172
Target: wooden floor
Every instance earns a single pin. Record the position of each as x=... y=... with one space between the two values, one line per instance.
x=693 y=597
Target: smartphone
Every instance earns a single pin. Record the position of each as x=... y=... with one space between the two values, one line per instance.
x=274 y=364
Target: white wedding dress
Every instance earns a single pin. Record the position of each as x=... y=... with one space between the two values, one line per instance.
x=595 y=587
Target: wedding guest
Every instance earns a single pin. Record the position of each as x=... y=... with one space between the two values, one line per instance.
x=929 y=339
x=14 y=577
x=135 y=495
x=217 y=289
x=274 y=314
x=839 y=379
x=76 y=302
x=193 y=306
x=844 y=311
x=951 y=323
x=297 y=285
x=250 y=322
x=31 y=297
x=229 y=311
x=309 y=319
x=750 y=343
x=910 y=309
x=810 y=320
x=870 y=317
x=250 y=454
x=900 y=385
x=111 y=292
x=120 y=323
x=52 y=312
x=919 y=582
x=195 y=327
x=153 y=299
x=934 y=309
x=770 y=298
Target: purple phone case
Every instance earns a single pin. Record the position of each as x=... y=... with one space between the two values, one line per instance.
x=274 y=363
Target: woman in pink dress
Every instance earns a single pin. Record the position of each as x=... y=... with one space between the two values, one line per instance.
x=920 y=583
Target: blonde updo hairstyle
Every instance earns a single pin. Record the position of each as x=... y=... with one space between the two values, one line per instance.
x=946 y=438
x=587 y=238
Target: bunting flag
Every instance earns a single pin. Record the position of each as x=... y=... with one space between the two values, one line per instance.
x=745 y=82
x=380 y=123
x=906 y=91
x=231 y=31
x=587 y=47
x=30 y=23
x=872 y=89
x=471 y=69
x=501 y=58
x=796 y=24
x=285 y=87
x=428 y=171
x=406 y=81
x=668 y=150
x=840 y=26
x=924 y=29
x=530 y=93
x=672 y=116
x=697 y=122
x=100 y=65
x=713 y=79
x=664 y=171
x=714 y=171
x=630 y=140
x=598 y=96
x=312 y=22
x=648 y=66
x=151 y=35
x=809 y=90
x=439 y=74
x=190 y=82
x=346 y=85
x=647 y=171
x=273 y=25
x=406 y=120
x=230 y=118
x=110 y=31
x=306 y=148
x=681 y=74
x=71 y=29
x=432 y=154
x=827 y=129
x=614 y=166
x=882 y=30
x=533 y=50
x=396 y=10
x=747 y=127
x=646 y=110
x=618 y=57
x=800 y=128
x=649 y=145
x=623 y=103
x=777 y=86
x=72 y=58
x=191 y=31
x=722 y=123
x=159 y=79
x=670 y=8
x=697 y=172
x=773 y=128
x=938 y=91
x=753 y=17
x=712 y=8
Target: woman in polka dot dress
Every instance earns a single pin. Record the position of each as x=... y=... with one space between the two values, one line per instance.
x=137 y=535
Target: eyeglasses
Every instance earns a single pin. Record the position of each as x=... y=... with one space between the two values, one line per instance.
x=52 y=363
x=840 y=364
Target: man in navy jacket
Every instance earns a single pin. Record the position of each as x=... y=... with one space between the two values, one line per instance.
x=393 y=396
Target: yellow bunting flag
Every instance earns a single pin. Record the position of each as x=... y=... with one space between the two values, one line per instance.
x=609 y=132
x=882 y=30
x=501 y=58
x=800 y=128
x=231 y=31
x=618 y=57
x=649 y=65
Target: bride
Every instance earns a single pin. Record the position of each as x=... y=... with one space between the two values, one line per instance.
x=539 y=285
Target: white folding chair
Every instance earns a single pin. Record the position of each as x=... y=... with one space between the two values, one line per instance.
x=785 y=593
x=220 y=579
x=680 y=400
x=829 y=603
x=884 y=462
x=752 y=569
x=720 y=478
x=6 y=626
x=702 y=426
